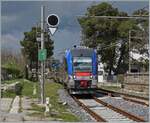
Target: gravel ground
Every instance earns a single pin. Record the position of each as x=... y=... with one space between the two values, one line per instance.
x=73 y=106
x=131 y=107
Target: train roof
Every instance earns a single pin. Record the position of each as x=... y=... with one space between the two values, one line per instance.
x=77 y=52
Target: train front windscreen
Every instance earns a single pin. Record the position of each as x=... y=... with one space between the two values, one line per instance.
x=82 y=64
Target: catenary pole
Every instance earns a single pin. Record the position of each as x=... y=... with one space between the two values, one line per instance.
x=129 y=51
x=42 y=62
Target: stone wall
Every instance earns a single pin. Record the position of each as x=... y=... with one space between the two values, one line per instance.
x=138 y=82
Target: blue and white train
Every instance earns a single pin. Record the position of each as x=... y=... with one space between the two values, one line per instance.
x=81 y=70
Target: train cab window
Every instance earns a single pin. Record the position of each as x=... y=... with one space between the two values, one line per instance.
x=82 y=64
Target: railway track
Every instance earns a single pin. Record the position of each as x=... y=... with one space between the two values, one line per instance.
x=128 y=97
x=104 y=112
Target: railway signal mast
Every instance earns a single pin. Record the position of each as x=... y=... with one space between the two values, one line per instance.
x=53 y=22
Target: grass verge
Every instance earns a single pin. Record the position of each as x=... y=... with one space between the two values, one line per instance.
x=11 y=81
x=112 y=88
x=8 y=94
x=57 y=110
x=51 y=92
x=27 y=89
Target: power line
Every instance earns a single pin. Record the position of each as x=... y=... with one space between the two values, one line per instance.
x=108 y=9
x=108 y=46
x=145 y=7
x=118 y=17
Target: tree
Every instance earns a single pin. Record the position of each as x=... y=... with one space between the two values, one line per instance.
x=141 y=44
x=110 y=36
x=142 y=31
x=12 y=63
x=104 y=35
x=30 y=47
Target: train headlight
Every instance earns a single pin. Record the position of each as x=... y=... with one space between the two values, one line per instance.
x=91 y=77
x=74 y=76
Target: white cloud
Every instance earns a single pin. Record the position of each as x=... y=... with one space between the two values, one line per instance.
x=9 y=18
x=65 y=39
x=10 y=41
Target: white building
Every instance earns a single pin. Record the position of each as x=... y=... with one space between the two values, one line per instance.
x=100 y=72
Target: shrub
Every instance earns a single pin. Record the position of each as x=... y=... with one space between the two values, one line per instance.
x=18 y=89
x=13 y=69
x=120 y=78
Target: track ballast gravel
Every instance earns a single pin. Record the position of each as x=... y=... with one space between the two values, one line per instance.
x=74 y=107
x=131 y=107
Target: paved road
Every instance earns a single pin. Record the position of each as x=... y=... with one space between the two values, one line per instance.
x=5 y=104
x=13 y=114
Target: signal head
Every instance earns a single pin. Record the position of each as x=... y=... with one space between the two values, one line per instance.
x=53 y=20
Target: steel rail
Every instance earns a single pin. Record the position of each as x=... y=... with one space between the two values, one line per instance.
x=136 y=99
x=97 y=117
x=119 y=93
x=127 y=114
x=127 y=97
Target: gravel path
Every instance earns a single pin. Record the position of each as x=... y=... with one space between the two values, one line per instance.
x=131 y=107
x=73 y=106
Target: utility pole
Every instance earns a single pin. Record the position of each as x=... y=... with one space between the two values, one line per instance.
x=42 y=62
x=39 y=79
x=52 y=21
x=129 y=50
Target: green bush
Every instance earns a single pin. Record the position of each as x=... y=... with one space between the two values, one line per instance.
x=18 y=89
x=8 y=94
x=120 y=78
x=15 y=72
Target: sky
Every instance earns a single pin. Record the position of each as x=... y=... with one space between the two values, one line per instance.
x=18 y=17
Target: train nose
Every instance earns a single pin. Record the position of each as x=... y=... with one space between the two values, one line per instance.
x=84 y=84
